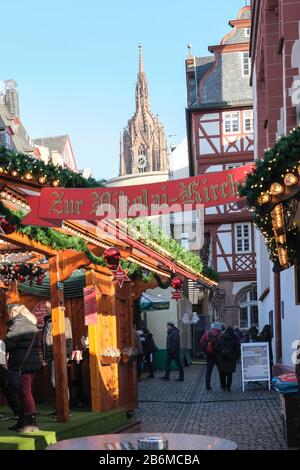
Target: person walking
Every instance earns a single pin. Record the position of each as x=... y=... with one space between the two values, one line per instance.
x=229 y=353
x=149 y=348
x=266 y=337
x=210 y=346
x=173 y=352
x=22 y=344
x=251 y=335
x=47 y=344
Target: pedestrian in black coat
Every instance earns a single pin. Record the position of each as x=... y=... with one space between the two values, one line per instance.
x=228 y=355
x=266 y=337
x=173 y=352
x=149 y=348
x=22 y=338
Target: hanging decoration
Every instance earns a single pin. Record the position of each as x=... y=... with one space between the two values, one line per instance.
x=177 y=284
x=112 y=257
x=275 y=179
x=120 y=276
x=21 y=272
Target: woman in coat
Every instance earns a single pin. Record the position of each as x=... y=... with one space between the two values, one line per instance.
x=22 y=339
x=266 y=337
x=229 y=353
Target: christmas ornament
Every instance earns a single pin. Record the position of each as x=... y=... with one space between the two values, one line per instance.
x=112 y=257
x=177 y=283
x=120 y=276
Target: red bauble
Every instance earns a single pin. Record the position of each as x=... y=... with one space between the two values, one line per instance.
x=39 y=280
x=21 y=278
x=112 y=256
x=177 y=283
x=17 y=268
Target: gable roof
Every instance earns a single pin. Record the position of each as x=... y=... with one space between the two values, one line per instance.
x=54 y=144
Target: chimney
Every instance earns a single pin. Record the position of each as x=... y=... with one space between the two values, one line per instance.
x=11 y=98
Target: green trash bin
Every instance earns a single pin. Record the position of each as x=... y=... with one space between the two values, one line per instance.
x=160 y=358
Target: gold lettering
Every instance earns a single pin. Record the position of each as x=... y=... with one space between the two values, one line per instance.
x=222 y=188
x=188 y=193
x=57 y=205
x=99 y=199
x=232 y=184
x=205 y=190
x=214 y=188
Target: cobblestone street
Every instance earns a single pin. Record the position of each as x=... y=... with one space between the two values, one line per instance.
x=251 y=419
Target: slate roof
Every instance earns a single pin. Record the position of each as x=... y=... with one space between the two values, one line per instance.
x=54 y=144
x=203 y=64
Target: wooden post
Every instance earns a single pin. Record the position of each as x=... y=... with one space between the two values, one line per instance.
x=94 y=344
x=59 y=342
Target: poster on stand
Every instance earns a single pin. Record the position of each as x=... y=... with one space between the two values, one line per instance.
x=255 y=363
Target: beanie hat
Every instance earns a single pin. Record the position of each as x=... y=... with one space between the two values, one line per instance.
x=216 y=326
x=170 y=323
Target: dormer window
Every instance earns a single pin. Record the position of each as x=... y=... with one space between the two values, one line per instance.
x=7 y=137
x=247 y=32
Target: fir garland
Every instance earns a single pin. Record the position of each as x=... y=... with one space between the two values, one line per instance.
x=282 y=158
x=30 y=168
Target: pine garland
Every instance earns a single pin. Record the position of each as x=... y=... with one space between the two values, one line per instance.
x=282 y=158
x=30 y=168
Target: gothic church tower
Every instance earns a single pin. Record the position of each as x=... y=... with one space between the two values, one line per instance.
x=143 y=146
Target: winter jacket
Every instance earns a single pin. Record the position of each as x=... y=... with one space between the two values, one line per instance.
x=265 y=337
x=229 y=353
x=205 y=338
x=173 y=341
x=149 y=346
x=47 y=339
x=18 y=339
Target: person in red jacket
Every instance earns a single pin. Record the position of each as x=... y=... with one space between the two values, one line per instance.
x=210 y=343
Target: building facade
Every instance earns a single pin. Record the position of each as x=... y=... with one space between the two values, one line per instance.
x=220 y=137
x=143 y=146
x=275 y=53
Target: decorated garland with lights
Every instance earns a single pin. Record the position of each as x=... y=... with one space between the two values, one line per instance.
x=279 y=168
x=29 y=168
x=21 y=272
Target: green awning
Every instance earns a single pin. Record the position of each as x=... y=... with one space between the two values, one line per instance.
x=73 y=286
x=152 y=302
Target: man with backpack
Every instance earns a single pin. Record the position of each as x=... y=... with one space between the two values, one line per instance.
x=210 y=346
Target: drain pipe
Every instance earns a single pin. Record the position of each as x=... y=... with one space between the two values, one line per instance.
x=277 y=311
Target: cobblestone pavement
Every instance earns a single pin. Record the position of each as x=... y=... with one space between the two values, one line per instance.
x=251 y=419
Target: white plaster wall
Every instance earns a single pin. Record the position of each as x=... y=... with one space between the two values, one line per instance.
x=291 y=321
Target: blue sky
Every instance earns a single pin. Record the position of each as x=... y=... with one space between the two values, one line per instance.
x=76 y=64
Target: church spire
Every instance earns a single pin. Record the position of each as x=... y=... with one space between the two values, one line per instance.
x=141 y=63
x=141 y=94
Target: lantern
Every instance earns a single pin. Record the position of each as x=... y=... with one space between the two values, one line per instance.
x=112 y=257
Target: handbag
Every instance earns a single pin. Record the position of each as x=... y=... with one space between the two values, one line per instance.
x=13 y=377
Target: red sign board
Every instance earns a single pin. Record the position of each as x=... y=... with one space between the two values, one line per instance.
x=211 y=189
x=177 y=295
x=120 y=276
x=40 y=312
x=90 y=306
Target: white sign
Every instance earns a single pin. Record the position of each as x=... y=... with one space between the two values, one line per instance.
x=255 y=362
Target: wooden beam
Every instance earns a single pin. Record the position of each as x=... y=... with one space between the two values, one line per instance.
x=25 y=242
x=94 y=344
x=59 y=342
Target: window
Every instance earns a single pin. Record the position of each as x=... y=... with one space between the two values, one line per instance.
x=242 y=238
x=247 y=32
x=230 y=166
x=231 y=122
x=248 y=310
x=7 y=139
x=248 y=121
x=246 y=64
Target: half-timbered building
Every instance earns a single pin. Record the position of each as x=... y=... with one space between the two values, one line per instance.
x=220 y=137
